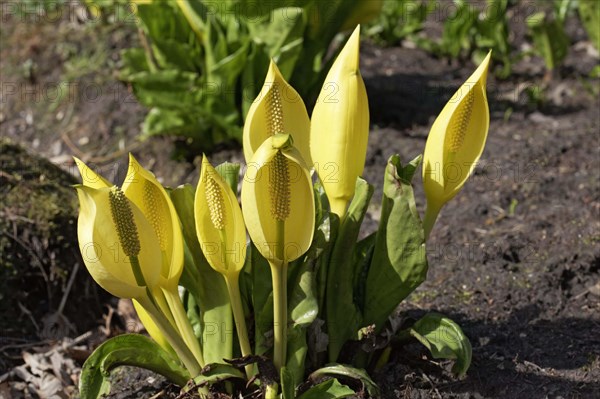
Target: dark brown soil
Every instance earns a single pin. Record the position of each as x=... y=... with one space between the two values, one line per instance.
x=514 y=258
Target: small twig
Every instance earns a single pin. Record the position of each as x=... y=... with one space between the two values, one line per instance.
x=432 y=385
x=28 y=313
x=158 y=395
x=96 y=160
x=27 y=345
x=63 y=301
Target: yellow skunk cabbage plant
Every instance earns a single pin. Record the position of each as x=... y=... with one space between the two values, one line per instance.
x=269 y=291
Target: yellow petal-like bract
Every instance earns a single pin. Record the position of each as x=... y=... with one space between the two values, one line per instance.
x=277 y=187
x=277 y=109
x=112 y=231
x=457 y=139
x=340 y=127
x=455 y=143
x=142 y=188
x=219 y=222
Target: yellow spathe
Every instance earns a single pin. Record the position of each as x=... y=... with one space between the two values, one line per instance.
x=455 y=142
x=457 y=138
x=263 y=181
x=340 y=127
x=219 y=222
x=277 y=109
x=142 y=188
x=103 y=251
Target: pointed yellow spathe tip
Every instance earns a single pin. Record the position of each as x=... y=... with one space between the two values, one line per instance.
x=89 y=177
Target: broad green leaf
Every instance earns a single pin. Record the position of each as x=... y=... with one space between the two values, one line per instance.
x=215 y=372
x=399 y=263
x=169 y=34
x=330 y=389
x=282 y=34
x=297 y=349
x=343 y=316
x=206 y=285
x=169 y=88
x=302 y=308
x=364 y=255
x=302 y=301
x=444 y=339
x=341 y=370
x=131 y=350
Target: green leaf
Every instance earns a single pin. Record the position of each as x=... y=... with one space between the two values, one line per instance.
x=325 y=235
x=330 y=389
x=589 y=12
x=206 y=285
x=399 y=263
x=171 y=88
x=302 y=310
x=262 y=301
x=134 y=61
x=230 y=172
x=131 y=350
x=343 y=316
x=170 y=35
x=162 y=121
x=458 y=30
x=216 y=372
x=288 y=386
x=341 y=370
x=444 y=339
x=282 y=35
x=550 y=39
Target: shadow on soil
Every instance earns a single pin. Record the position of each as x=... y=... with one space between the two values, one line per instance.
x=512 y=358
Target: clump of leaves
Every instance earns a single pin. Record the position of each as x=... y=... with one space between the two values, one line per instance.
x=301 y=310
x=200 y=60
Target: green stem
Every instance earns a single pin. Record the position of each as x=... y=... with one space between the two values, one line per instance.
x=183 y=323
x=233 y=286
x=431 y=214
x=279 y=278
x=171 y=334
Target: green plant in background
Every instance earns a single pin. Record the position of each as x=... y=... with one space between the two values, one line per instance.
x=549 y=37
x=315 y=292
x=469 y=32
x=589 y=13
x=474 y=27
x=399 y=19
x=200 y=60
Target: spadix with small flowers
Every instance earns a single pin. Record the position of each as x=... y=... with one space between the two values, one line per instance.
x=264 y=291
